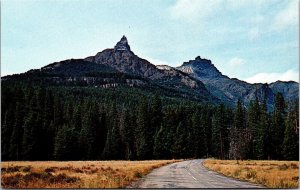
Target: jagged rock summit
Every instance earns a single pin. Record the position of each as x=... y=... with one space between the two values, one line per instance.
x=200 y=67
x=122 y=45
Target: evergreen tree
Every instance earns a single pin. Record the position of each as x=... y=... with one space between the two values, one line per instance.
x=180 y=146
x=262 y=132
x=156 y=114
x=277 y=127
x=88 y=134
x=253 y=123
x=291 y=138
x=240 y=135
x=207 y=126
x=66 y=144
x=143 y=131
x=6 y=132
x=30 y=138
x=15 y=150
x=160 y=146
x=197 y=134
x=127 y=134
x=219 y=132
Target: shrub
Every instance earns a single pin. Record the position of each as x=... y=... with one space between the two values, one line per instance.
x=11 y=181
x=13 y=169
x=283 y=167
x=48 y=170
x=78 y=170
x=63 y=178
x=138 y=174
x=26 y=169
x=294 y=166
x=251 y=174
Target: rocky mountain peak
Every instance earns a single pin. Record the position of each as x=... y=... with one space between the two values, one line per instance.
x=122 y=45
x=200 y=67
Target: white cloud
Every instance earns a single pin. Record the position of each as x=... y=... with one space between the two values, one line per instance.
x=194 y=10
x=236 y=62
x=273 y=77
x=155 y=61
x=287 y=17
x=198 y=10
x=263 y=24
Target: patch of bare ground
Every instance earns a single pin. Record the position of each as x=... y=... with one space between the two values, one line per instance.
x=272 y=174
x=75 y=174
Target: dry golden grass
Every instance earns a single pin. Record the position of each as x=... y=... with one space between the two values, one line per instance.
x=75 y=174
x=272 y=174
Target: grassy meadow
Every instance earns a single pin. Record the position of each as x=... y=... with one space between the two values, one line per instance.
x=272 y=174
x=75 y=174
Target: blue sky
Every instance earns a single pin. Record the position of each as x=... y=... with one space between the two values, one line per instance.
x=256 y=41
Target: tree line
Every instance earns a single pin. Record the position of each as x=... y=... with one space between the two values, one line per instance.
x=82 y=123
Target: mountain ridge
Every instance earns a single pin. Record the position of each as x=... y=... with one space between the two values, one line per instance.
x=198 y=77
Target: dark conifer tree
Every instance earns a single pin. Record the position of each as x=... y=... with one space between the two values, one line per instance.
x=180 y=147
x=66 y=144
x=253 y=124
x=291 y=136
x=197 y=134
x=143 y=131
x=262 y=133
x=277 y=128
x=219 y=132
x=240 y=136
x=17 y=134
x=6 y=132
x=206 y=120
x=88 y=135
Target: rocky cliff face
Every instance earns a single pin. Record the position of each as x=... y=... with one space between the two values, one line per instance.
x=123 y=59
x=201 y=68
x=290 y=89
x=231 y=90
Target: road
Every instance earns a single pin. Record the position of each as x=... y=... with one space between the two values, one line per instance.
x=188 y=174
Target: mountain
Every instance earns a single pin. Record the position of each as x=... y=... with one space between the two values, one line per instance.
x=196 y=79
x=119 y=66
x=290 y=89
x=231 y=90
x=122 y=59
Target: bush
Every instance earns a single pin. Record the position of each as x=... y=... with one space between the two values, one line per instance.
x=11 y=181
x=78 y=170
x=138 y=174
x=63 y=178
x=26 y=169
x=283 y=167
x=13 y=169
x=48 y=170
x=251 y=174
x=294 y=166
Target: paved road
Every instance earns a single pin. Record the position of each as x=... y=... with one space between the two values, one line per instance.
x=189 y=174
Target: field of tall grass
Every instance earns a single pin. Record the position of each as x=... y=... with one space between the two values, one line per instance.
x=272 y=174
x=75 y=174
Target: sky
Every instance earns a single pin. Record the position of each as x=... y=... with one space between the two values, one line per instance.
x=255 y=41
